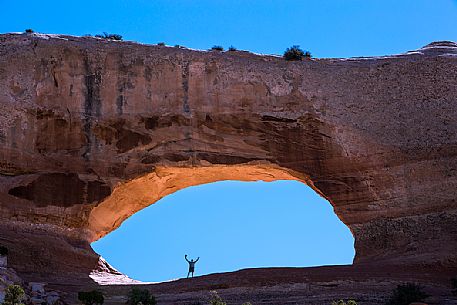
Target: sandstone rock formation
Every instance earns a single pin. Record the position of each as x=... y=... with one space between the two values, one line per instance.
x=35 y=293
x=92 y=131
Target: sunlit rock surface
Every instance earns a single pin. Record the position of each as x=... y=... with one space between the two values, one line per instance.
x=105 y=274
x=91 y=131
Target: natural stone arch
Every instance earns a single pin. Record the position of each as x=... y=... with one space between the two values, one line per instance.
x=82 y=119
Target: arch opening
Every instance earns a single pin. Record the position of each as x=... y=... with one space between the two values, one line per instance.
x=231 y=223
x=132 y=196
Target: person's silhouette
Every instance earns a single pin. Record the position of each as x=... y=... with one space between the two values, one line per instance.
x=191 y=265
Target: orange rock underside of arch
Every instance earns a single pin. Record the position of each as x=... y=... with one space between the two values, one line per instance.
x=132 y=196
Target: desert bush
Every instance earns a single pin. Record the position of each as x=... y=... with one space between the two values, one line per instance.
x=3 y=251
x=216 y=299
x=143 y=296
x=295 y=53
x=14 y=295
x=29 y=31
x=232 y=48
x=454 y=285
x=341 y=302
x=178 y=46
x=91 y=297
x=406 y=294
x=217 y=48
x=161 y=44
x=106 y=35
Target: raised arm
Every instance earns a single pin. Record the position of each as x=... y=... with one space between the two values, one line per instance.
x=197 y=259
x=185 y=256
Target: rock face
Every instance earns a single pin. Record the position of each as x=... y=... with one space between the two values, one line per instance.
x=91 y=131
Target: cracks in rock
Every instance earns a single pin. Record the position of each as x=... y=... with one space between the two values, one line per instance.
x=56 y=83
x=122 y=85
x=92 y=103
x=187 y=112
x=69 y=115
x=34 y=46
x=185 y=86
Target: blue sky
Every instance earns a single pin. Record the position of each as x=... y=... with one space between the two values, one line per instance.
x=233 y=225
x=230 y=225
x=331 y=28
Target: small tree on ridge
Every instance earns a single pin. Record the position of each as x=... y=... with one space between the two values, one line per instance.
x=295 y=53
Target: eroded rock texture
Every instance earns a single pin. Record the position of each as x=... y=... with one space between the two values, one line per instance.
x=91 y=131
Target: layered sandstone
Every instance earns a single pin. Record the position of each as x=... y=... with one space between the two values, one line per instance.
x=91 y=131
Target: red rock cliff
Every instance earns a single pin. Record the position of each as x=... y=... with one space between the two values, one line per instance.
x=91 y=131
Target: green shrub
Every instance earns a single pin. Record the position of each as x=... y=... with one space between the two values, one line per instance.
x=161 y=44
x=216 y=299
x=406 y=294
x=106 y=35
x=295 y=53
x=217 y=48
x=3 y=251
x=232 y=48
x=29 y=31
x=14 y=295
x=177 y=46
x=137 y=295
x=341 y=302
x=454 y=285
x=91 y=297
